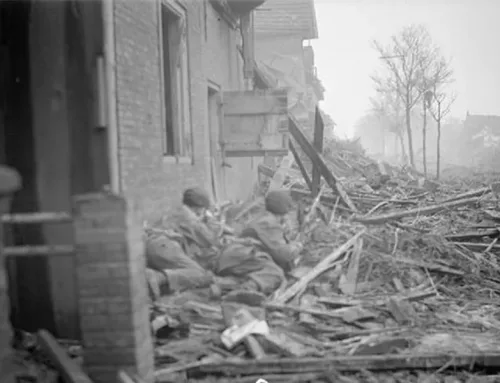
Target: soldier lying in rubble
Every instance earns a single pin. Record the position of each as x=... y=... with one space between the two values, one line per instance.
x=260 y=257
x=180 y=247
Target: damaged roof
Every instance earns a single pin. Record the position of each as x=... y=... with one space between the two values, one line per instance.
x=475 y=123
x=283 y=17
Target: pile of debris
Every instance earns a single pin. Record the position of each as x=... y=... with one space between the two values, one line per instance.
x=398 y=282
x=406 y=288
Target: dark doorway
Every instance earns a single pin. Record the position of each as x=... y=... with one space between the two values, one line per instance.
x=49 y=133
x=29 y=287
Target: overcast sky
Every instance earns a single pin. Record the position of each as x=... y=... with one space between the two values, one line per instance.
x=468 y=31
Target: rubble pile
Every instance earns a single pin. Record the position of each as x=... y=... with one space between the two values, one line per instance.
x=406 y=289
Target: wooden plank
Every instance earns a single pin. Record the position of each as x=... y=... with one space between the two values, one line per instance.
x=420 y=211
x=479 y=247
x=472 y=235
x=42 y=250
x=70 y=371
x=319 y=129
x=319 y=162
x=124 y=377
x=352 y=363
x=267 y=102
x=258 y=132
x=33 y=218
x=255 y=153
x=324 y=265
x=254 y=122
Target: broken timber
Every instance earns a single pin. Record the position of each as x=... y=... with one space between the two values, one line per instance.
x=415 y=212
x=37 y=218
x=351 y=363
x=320 y=268
x=318 y=162
x=70 y=371
x=319 y=129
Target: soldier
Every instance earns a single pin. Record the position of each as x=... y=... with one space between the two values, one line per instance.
x=180 y=247
x=260 y=257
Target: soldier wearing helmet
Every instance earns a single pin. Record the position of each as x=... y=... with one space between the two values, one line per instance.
x=179 y=246
x=261 y=256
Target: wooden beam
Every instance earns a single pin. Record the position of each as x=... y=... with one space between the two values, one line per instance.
x=124 y=377
x=256 y=153
x=300 y=164
x=39 y=250
x=419 y=211
x=32 y=218
x=352 y=363
x=70 y=371
x=319 y=162
x=319 y=129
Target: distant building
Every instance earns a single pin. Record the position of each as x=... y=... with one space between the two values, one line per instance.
x=483 y=129
x=482 y=137
x=282 y=27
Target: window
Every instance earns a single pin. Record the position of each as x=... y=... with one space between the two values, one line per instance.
x=177 y=134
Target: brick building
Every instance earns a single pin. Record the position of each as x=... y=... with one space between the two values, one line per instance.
x=156 y=159
x=283 y=31
x=143 y=98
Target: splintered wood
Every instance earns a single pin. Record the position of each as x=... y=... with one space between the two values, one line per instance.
x=401 y=287
x=325 y=264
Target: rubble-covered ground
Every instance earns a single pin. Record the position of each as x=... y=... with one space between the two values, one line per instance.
x=404 y=290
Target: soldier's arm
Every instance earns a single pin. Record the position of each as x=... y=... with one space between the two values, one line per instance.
x=271 y=236
x=204 y=235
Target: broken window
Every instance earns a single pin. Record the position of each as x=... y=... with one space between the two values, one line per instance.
x=177 y=134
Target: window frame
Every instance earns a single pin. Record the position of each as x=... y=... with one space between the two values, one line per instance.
x=182 y=115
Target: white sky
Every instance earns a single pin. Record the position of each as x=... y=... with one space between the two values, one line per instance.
x=468 y=31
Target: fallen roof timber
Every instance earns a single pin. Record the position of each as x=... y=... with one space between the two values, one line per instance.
x=70 y=371
x=319 y=129
x=318 y=161
x=351 y=363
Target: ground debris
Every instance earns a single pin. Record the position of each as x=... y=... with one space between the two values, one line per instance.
x=404 y=289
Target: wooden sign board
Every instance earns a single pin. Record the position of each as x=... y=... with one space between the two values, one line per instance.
x=255 y=123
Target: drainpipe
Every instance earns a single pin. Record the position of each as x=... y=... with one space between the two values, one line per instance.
x=110 y=78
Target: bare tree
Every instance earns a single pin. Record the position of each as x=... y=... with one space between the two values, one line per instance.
x=440 y=108
x=434 y=77
x=408 y=58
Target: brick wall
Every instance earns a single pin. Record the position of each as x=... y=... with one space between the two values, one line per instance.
x=223 y=65
x=147 y=178
x=112 y=299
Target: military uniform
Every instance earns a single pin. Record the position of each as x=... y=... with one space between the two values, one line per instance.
x=179 y=249
x=260 y=257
